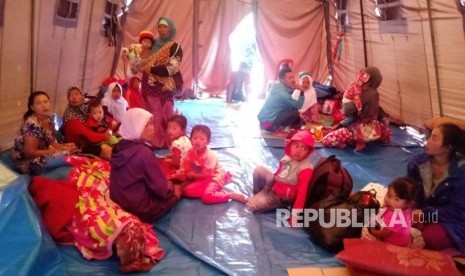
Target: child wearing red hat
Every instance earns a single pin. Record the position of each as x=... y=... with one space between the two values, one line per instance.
x=289 y=184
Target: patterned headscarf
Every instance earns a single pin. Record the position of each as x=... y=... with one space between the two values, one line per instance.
x=160 y=42
x=375 y=76
x=76 y=112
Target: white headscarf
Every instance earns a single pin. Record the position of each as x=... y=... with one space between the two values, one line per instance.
x=118 y=107
x=133 y=123
x=309 y=94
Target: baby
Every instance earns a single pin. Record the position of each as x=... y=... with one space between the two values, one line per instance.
x=98 y=122
x=353 y=94
x=397 y=214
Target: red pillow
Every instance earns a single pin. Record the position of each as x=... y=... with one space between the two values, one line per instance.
x=385 y=258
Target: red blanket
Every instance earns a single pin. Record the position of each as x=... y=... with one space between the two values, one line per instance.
x=56 y=200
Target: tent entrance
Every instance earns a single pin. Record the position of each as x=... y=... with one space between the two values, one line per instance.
x=243 y=48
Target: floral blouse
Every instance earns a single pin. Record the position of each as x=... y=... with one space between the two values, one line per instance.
x=31 y=127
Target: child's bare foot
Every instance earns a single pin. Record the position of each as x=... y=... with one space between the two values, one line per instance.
x=360 y=147
x=336 y=126
x=140 y=265
x=238 y=197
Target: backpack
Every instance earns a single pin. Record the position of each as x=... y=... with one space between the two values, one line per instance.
x=329 y=178
x=332 y=238
x=330 y=189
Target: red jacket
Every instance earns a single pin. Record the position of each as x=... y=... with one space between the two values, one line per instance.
x=77 y=132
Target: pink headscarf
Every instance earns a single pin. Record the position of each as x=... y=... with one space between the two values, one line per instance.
x=134 y=122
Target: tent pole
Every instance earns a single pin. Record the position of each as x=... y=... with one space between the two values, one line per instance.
x=365 y=59
x=195 y=47
x=31 y=63
x=87 y=45
x=328 y=38
x=435 y=57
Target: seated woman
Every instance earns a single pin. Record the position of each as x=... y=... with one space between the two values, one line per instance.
x=75 y=129
x=138 y=184
x=440 y=177
x=36 y=150
x=367 y=127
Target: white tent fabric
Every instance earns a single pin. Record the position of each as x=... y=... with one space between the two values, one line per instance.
x=422 y=67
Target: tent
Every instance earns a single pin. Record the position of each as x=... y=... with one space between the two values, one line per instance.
x=418 y=45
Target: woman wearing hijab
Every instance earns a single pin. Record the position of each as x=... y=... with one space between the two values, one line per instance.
x=161 y=79
x=366 y=128
x=75 y=129
x=137 y=182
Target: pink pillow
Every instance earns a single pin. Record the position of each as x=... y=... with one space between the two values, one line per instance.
x=385 y=258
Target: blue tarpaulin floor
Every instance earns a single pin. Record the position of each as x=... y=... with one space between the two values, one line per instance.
x=222 y=239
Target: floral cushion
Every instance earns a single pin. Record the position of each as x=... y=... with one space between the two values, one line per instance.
x=385 y=258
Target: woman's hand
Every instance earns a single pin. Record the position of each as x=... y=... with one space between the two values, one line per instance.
x=70 y=147
x=114 y=124
x=299 y=87
x=178 y=176
x=177 y=191
x=108 y=134
x=192 y=175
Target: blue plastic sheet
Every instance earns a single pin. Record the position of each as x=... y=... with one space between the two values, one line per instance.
x=220 y=239
x=26 y=248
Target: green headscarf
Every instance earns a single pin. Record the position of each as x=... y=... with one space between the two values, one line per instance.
x=160 y=42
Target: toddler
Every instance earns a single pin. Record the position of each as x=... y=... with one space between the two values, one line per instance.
x=98 y=122
x=353 y=94
x=397 y=213
x=288 y=186
x=202 y=170
x=176 y=130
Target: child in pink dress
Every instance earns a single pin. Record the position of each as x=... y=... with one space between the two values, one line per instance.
x=201 y=168
x=397 y=216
